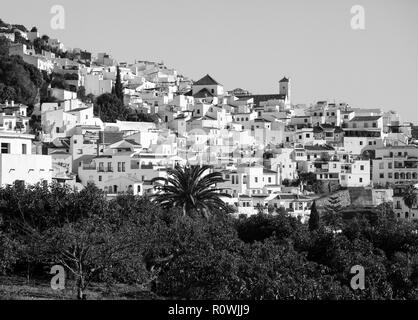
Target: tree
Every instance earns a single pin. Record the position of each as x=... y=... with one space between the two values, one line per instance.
x=8 y=253
x=59 y=81
x=109 y=108
x=7 y=93
x=410 y=197
x=118 y=86
x=332 y=216
x=81 y=93
x=188 y=188
x=4 y=46
x=24 y=78
x=314 y=219
x=307 y=180
x=89 y=248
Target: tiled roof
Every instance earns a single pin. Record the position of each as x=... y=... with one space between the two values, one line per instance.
x=365 y=118
x=294 y=197
x=264 y=97
x=206 y=81
x=132 y=142
x=78 y=109
x=269 y=171
x=204 y=93
x=324 y=147
x=59 y=152
x=108 y=137
x=261 y=120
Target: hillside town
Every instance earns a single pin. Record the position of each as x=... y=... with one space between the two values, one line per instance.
x=271 y=152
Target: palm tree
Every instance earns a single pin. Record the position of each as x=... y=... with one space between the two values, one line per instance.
x=410 y=197
x=186 y=187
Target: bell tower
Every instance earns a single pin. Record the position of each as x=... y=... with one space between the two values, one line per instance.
x=285 y=87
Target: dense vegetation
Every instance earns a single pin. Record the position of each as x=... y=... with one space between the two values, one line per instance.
x=19 y=81
x=131 y=240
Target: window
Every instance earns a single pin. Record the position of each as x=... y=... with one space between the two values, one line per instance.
x=138 y=189
x=362 y=167
x=269 y=179
x=308 y=135
x=198 y=111
x=79 y=151
x=382 y=175
x=57 y=130
x=390 y=165
x=100 y=178
x=123 y=166
x=361 y=143
x=5 y=148
x=24 y=149
x=119 y=166
x=374 y=125
x=390 y=176
x=256 y=179
x=360 y=179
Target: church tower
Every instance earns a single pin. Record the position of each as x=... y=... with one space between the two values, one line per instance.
x=285 y=88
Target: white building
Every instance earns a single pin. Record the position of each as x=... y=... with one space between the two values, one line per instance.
x=17 y=163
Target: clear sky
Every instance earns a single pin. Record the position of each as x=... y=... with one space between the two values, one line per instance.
x=253 y=44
